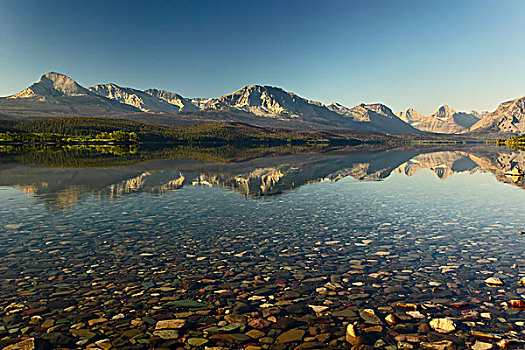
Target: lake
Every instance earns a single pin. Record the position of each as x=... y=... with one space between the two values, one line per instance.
x=275 y=250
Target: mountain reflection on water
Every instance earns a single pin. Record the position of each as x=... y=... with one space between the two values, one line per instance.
x=61 y=187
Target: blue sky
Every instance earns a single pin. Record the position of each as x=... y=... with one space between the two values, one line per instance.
x=420 y=54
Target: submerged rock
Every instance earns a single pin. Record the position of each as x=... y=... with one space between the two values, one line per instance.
x=170 y=324
x=291 y=336
x=167 y=333
x=438 y=345
x=479 y=345
x=517 y=304
x=494 y=282
x=443 y=325
x=391 y=320
x=197 y=341
x=352 y=335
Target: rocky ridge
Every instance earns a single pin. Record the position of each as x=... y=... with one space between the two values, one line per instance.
x=172 y=98
x=136 y=98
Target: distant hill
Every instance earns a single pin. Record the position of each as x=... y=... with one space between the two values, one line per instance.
x=377 y=115
x=445 y=120
x=507 y=119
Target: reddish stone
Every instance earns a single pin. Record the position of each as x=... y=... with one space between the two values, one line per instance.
x=458 y=304
x=392 y=333
x=35 y=311
x=259 y=323
x=161 y=317
x=517 y=304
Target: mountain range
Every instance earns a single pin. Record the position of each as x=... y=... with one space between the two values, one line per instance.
x=57 y=95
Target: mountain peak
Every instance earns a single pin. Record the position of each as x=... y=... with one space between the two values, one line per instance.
x=52 y=85
x=112 y=85
x=446 y=107
x=444 y=120
x=337 y=108
x=55 y=76
x=251 y=87
x=444 y=112
x=379 y=108
x=261 y=88
x=270 y=101
x=63 y=83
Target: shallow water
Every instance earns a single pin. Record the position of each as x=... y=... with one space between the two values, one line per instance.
x=346 y=231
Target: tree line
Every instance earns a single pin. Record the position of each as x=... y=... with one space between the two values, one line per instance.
x=220 y=133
